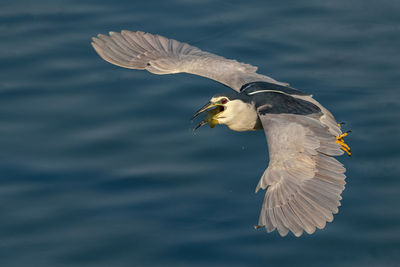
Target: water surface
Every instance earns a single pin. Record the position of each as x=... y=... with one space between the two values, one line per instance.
x=100 y=167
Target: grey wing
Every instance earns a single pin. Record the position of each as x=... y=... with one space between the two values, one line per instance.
x=159 y=55
x=304 y=180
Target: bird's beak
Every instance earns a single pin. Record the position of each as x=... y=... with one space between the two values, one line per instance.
x=203 y=122
x=204 y=108
x=210 y=117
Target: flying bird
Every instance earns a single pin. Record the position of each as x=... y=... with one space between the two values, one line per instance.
x=304 y=181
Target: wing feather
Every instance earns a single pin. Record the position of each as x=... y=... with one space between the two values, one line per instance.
x=159 y=55
x=303 y=180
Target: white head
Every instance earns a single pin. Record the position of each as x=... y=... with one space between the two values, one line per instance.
x=234 y=112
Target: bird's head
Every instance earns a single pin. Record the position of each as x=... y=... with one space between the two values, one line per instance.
x=232 y=110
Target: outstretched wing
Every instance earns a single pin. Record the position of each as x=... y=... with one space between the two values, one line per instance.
x=159 y=55
x=304 y=180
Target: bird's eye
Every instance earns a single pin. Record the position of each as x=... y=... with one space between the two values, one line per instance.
x=224 y=101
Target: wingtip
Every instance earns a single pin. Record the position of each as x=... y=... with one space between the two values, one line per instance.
x=298 y=234
x=310 y=231
x=96 y=47
x=95 y=39
x=124 y=32
x=102 y=36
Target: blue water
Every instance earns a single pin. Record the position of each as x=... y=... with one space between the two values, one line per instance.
x=100 y=167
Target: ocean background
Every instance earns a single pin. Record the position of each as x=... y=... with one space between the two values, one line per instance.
x=99 y=165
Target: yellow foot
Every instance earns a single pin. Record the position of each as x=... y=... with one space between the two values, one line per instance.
x=340 y=141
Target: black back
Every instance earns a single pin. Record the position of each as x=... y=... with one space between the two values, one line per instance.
x=277 y=99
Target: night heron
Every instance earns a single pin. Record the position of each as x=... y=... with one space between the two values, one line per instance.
x=304 y=181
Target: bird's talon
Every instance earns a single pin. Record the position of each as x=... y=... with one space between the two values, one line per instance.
x=340 y=137
x=346 y=150
x=343 y=145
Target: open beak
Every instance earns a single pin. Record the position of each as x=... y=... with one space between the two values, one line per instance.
x=204 y=108
x=203 y=122
x=211 y=114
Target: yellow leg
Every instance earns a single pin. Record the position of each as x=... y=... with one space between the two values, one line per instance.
x=342 y=135
x=344 y=146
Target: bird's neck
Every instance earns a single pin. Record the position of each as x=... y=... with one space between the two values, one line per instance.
x=245 y=119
